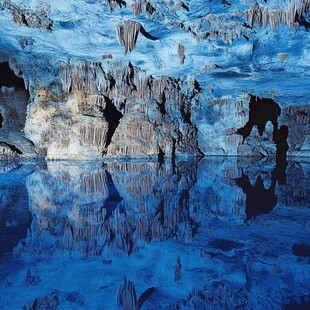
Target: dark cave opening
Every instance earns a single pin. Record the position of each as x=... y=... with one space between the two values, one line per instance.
x=261 y=111
x=112 y=116
x=14 y=99
x=9 y=79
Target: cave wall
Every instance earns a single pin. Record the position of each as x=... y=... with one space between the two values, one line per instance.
x=90 y=112
x=156 y=79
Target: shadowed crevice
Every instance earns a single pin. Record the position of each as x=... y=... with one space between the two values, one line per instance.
x=9 y=79
x=112 y=116
x=12 y=147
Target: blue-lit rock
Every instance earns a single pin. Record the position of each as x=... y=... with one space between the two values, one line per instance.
x=154 y=78
x=139 y=233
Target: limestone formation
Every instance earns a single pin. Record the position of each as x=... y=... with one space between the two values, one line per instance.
x=127 y=34
x=182 y=89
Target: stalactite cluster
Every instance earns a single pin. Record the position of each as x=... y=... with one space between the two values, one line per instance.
x=25 y=16
x=286 y=15
x=127 y=88
x=95 y=136
x=142 y=6
x=127 y=34
x=223 y=27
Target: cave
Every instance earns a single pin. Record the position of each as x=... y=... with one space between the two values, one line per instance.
x=9 y=79
x=262 y=110
x=14 y=99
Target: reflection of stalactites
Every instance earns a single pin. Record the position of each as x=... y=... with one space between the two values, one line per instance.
x=126 y=296
x=177 y=270
x=94 y=183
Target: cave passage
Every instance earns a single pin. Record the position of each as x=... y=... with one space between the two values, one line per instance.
x=261 y=111
x=9 y=79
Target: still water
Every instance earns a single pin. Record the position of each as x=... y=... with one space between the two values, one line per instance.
x=216 y=233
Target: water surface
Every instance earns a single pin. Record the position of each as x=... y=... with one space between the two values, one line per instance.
x=219 y=233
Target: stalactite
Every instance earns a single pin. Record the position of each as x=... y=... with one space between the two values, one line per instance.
x=107 y=56
x=265 y=16
x=95 y=136
x=141 y=82
x=181 y=53
x=127 y=34
x=112 y=4
x=31 y=18
x=142 y=6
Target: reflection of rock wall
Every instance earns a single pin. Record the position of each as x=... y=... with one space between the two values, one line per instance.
x=220 y=195
x=15 y=216
x=175 y=230
x=77 y=207
x=90 y=209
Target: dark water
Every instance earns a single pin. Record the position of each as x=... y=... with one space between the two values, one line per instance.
x=219 y=233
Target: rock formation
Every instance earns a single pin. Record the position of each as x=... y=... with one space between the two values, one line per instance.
x=152 y=78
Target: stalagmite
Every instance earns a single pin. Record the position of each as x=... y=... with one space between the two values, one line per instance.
x=126 y=296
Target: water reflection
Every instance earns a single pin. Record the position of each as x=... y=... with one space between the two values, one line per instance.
x=261 y=200
x=216 y=233
x=15 y=217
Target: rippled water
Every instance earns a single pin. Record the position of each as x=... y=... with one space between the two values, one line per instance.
x=219 y=233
